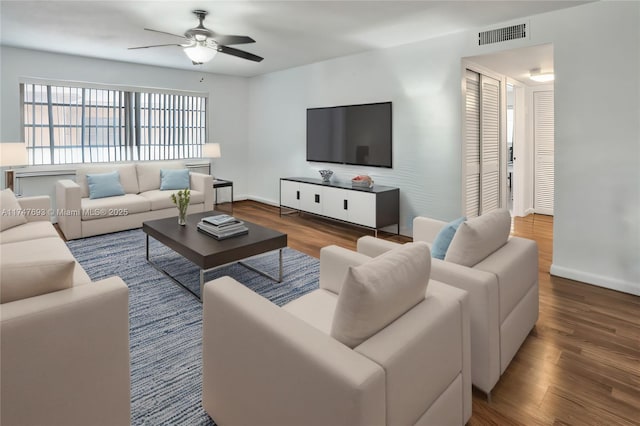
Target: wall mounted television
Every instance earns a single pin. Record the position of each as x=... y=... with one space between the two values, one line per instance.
x=350 y=134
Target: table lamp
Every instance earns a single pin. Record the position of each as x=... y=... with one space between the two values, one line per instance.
x=211 y=150
x=12 y=154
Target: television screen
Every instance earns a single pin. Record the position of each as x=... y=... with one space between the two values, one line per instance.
x=353 y=134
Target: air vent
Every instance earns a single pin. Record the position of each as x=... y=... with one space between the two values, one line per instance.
x=513 y=32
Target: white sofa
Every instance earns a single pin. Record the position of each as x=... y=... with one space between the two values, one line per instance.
x=501 y=276
x=80 y=216
x=64 y=341
x=266 y=365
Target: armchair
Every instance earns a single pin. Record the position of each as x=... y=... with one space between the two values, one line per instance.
x=501 y=276
x=267 y=365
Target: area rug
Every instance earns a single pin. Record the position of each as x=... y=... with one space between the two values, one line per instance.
x=165 y=321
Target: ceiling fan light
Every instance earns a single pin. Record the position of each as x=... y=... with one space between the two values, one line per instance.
x=200 y=53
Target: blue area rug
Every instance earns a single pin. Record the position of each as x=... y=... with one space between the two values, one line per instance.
x=165 y=321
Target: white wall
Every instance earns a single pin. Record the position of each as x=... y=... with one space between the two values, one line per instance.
x=597 y=144
x=597 y=205
x=423 y=82
x=228 y=97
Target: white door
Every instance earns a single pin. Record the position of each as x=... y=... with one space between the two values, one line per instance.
x=489 y=144
x=362 y=208
x=290 y=194
x=543 y=127
x=472 y=145
x=481 y=145
x=311 y=198
x=335 y=203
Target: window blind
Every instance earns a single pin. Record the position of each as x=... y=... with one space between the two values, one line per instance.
x=65 y=124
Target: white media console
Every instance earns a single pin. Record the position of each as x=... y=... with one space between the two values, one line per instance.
x=373 y=208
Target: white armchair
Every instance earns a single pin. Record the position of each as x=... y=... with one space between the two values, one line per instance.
x=267 y=365
x=501 y=276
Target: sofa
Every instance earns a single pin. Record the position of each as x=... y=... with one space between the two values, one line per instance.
x=353 y=352
x=499 y=272
x=80 y=216
x=64 y=340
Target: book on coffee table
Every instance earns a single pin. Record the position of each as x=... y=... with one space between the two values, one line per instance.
x=223 y=232
x=221 y=220
x=221 y=229
x=224 y=236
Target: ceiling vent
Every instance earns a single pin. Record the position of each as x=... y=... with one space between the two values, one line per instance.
x=498 y=35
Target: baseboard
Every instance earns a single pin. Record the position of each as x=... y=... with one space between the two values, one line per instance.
x=598 y=280
x=262 y=200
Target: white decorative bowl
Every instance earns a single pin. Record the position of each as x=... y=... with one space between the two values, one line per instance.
x=326 y=175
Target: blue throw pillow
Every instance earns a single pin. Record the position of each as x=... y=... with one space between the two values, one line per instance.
x=443 y=239
x=174 y=179
x=104 y=185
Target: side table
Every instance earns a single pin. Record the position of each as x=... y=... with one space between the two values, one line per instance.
x=222 y=183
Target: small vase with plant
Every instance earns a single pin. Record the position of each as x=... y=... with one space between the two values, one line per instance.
x=181 y=200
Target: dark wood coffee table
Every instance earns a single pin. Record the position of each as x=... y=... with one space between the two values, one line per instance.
x=207 y=252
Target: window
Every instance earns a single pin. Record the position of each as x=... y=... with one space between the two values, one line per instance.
x=86 y=125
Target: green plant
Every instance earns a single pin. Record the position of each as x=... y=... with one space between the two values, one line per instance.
x=181 y=200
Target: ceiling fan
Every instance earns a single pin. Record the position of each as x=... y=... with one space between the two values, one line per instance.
x=201 y=44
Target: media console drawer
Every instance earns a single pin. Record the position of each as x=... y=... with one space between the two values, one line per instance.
x=374 y=208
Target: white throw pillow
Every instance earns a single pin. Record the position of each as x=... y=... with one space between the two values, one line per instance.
x=477 y=238
x=376 y=293
x=10 y=210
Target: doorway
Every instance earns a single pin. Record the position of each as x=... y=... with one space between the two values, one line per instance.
x=510 y=144
x=516 y=147
x=526 y=169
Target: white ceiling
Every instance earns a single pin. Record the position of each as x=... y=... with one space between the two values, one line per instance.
x=518 y=63
x=287 y=33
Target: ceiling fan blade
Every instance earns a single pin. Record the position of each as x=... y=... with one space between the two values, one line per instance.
x=154 y=45
x=239 y=53
x=232 y=39
x=164 y=32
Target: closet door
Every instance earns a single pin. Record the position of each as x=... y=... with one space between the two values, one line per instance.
x=472 y=145
x=489 y=144
x=543 y=125
x=481 y=145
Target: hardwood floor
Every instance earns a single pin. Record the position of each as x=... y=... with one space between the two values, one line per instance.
x=579 y=366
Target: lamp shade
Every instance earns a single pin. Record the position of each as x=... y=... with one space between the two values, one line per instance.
x=200 y=52
x=211 y=150
x=13 y=154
